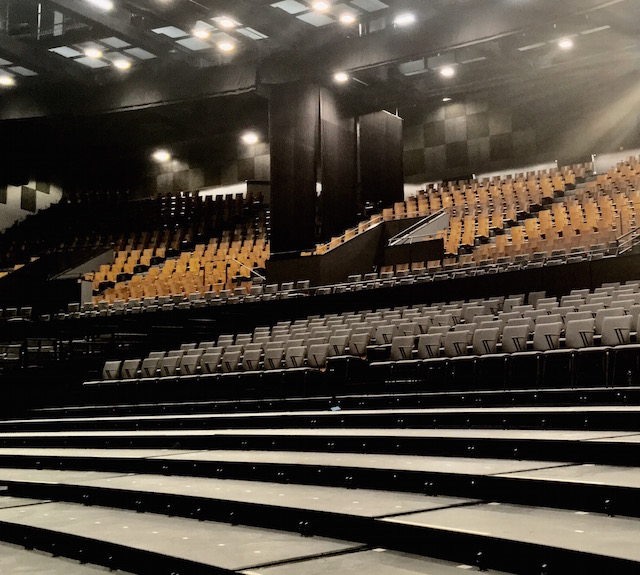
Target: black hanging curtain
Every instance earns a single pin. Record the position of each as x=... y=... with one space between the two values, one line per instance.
x=381 y=159
x=294 y=124
x=339 y=173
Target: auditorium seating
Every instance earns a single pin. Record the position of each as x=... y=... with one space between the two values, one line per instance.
x=581 y=339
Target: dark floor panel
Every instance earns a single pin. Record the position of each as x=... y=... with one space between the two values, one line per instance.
x=359 y=502
x=374 y=562
x=18 y=561
x=571 y=530
x=585 y=474
x=204 y=542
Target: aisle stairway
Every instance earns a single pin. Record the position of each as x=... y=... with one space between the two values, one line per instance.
x=422 y=490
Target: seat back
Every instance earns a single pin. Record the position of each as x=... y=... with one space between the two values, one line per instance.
x=111 y=370
x=455 y=343
x=338 y=344
x=429 y=345
x=149 y=367
x=385 y=334
x=424 y=323
x=440 y=329
x=169 y=366
x=295 y=356
x=251 y=359
x=273 y=357
x=317 y=355
x=402 y=347
x=485 y=340
x=546 y=336
x=187 y=346
x=230 y=361
x=603 y=313
x=579 y=333
x=514 y=338
x=616 y=330
x=209 y=361
x=189 y=364
x=358 y=343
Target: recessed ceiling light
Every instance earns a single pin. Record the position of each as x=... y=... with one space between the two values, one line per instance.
x=93 y=53
x=321 y=6
x=566 y=44
x=122 y=64
x=161 y=156
x=226 y=46
x=447 y=72
x=7 y=80
x=201 y=33
x=347 y=18
x=405 y=19
x=341 y=77
x=250 y=138
x=446 y=99
x=102 y=4
x=226 y=23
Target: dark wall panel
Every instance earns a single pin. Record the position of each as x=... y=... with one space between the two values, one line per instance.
x=294 y=123
x=381 y=158
x=339 y=176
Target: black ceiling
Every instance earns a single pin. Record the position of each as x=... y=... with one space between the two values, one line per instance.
x=499 y=45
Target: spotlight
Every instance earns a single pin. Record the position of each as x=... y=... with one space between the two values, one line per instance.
x=7 y=80
x=93 y=53
x=122 y=64
x=347 y=18
x=447 y=72
x=405 y=19
x=105 y=5
x=226 y=23
x=201 y=33
x=446 y=99
x=250 y=138
x=341 y=77
x=226 y=47
x=161 y=156
x=321 y=6
x=566 y=44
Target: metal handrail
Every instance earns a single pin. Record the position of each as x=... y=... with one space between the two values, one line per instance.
x=426 y=220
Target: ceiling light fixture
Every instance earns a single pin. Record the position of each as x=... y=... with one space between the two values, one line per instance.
x=226 y=46
x=347 y=18
x=446 y=99
x=250 y=138
x=447 y=72
x=405 y=19
x=566 y=44
x=201 y=33
x=7 y=80
x=102 y=4
x=226 y=23
x=341 y=77
x=122 y=64
x=320 y=6
x=161 y=156
x=93 y=53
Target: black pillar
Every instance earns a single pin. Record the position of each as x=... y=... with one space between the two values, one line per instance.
x=339 y=173
x=294 y=125
x=381 y=164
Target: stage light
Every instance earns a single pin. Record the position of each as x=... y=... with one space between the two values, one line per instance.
x=447 y=72
x=161 y=156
